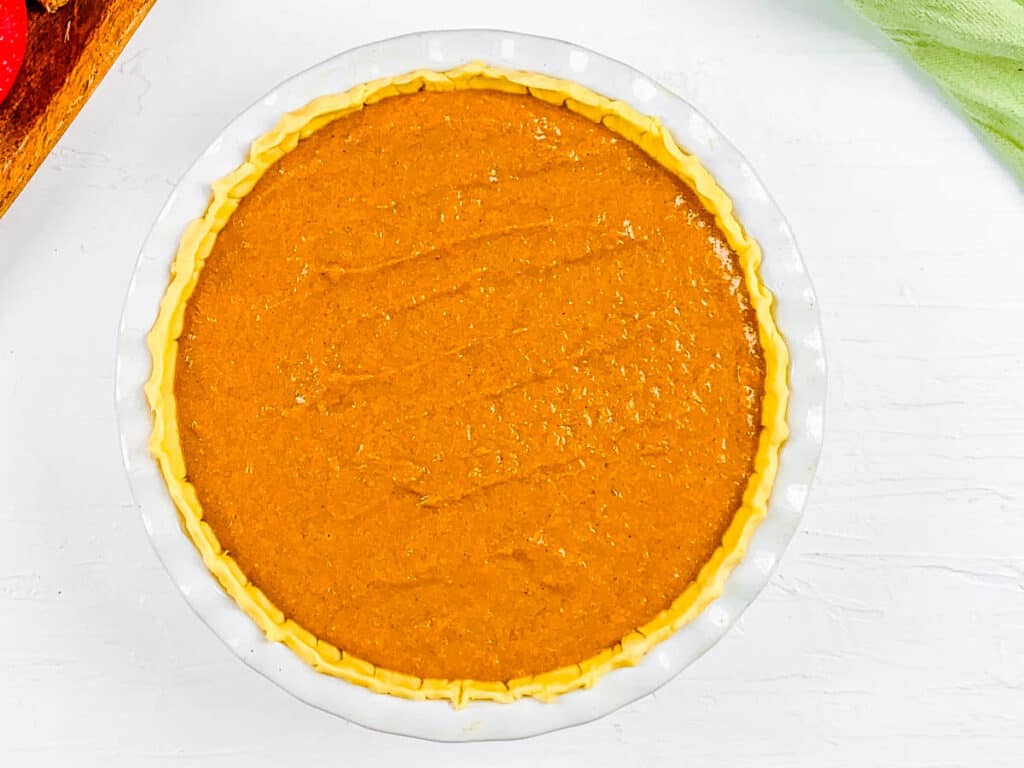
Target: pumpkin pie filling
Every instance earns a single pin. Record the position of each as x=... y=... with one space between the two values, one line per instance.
x=469 y=387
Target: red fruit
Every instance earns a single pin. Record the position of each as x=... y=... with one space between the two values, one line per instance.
x=13 y=36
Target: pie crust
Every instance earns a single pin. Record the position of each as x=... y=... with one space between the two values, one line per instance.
x=196 y=244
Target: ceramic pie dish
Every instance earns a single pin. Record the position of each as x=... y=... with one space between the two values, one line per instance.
x=484 y=664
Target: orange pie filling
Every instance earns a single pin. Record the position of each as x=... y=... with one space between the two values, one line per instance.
x=465 y=388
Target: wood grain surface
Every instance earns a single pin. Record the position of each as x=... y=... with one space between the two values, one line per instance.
x=68 y=53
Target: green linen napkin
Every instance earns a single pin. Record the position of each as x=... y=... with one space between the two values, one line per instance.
x=975 y=50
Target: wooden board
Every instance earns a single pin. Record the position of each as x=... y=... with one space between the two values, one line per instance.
x=68 y=54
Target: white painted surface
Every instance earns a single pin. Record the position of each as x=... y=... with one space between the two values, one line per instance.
x=891 y=634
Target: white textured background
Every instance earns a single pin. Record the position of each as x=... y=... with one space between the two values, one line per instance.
x=893 y=633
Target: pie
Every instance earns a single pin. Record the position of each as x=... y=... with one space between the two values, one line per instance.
x=466 y=385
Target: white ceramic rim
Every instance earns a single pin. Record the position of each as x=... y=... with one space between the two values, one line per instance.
x=795 y=313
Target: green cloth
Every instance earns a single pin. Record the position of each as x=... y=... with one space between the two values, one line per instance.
x=975 y=50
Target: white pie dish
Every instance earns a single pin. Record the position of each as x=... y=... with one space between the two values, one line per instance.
x=782 y=271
